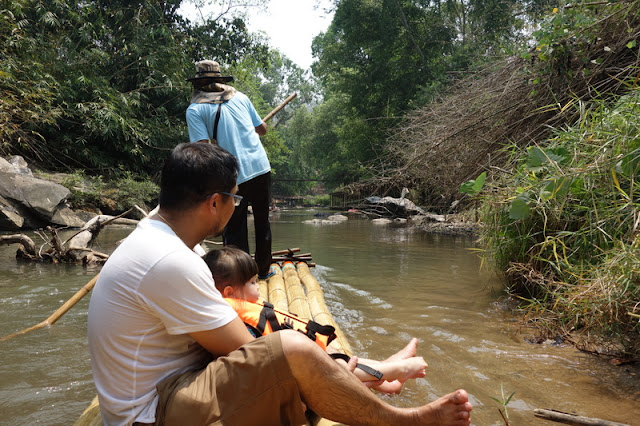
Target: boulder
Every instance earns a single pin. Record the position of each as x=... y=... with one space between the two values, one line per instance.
x=393 y=207
x=15 y=164
x=10 y=218
x=27 y=202
x=382 y=221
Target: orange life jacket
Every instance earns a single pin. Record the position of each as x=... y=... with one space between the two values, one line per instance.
x=262 y=318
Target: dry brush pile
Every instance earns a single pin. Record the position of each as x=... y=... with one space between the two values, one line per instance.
x=491 y=115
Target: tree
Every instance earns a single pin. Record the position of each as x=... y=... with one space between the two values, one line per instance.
x=105 y=79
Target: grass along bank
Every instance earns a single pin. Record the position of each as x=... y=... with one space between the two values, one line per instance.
x=100 y=195
x=565 y=228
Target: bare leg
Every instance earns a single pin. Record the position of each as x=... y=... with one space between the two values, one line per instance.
x=408 y=351
x=335 y=393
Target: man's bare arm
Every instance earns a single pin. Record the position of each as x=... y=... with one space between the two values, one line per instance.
x=223 y=340
x=262 y=129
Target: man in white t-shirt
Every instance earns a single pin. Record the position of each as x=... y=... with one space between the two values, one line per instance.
x=221 y=114
x=167 y=350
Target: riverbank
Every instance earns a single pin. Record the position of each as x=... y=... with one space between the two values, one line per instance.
x=454 y=226
x=462 y=223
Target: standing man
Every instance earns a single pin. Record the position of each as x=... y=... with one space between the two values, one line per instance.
x=221 y=114
x=167 y=350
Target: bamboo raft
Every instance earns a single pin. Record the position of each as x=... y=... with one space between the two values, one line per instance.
x=293 y=288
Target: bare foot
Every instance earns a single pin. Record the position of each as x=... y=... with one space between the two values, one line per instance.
x=453 y=409
x=407 y=352
x=410 y=368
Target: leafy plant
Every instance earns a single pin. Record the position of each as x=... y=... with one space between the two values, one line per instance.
x=474 y=186
x=504 y=401
x=564 y=226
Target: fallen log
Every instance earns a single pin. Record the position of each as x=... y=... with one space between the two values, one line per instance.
x=573 y=419
x=75 y=249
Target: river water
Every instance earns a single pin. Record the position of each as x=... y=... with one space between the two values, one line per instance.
x=383 y=284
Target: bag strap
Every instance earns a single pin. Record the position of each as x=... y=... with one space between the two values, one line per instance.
x=215 y=124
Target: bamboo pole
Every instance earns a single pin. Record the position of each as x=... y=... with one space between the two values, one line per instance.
x=277 y=290
x=279 y=107
x=286 y=251
x=319 y=311
x=295 y=293
x=59 y=312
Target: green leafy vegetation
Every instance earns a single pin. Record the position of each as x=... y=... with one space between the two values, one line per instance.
x=113 y=196
x=565 y=225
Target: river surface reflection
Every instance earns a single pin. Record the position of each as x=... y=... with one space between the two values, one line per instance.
x=383 y=286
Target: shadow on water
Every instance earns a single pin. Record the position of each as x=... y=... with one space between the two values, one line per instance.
x=383 y=285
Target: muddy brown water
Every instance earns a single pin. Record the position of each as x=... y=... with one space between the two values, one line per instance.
x=382 y=284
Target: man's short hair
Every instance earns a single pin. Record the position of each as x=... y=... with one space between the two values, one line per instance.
x=193 y=172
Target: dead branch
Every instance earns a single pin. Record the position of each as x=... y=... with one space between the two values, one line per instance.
x=75 y=249
x=573 y=419
x=27 y=243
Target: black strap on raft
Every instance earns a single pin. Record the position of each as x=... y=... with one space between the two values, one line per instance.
x=375 y=373
x=326 y=330
x=267 y=314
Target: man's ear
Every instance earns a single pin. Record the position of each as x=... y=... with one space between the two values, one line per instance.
x=214 y=200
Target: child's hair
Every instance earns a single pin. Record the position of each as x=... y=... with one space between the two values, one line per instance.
x=230 y=266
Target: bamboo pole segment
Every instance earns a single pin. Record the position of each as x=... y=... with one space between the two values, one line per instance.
x=286 y=251
x=319 y=311
x=263 y=288
x=279 y=107
x=90 y=415
x=263 y=285
x=277 y=292
x=295 y=293
x=59 y=312
x=573 y=419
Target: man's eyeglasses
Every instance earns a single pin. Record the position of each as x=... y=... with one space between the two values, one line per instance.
x=236 y=198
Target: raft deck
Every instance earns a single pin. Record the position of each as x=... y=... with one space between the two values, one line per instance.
x=294 y=289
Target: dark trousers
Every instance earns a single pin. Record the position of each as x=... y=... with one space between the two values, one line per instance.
x=256 y=192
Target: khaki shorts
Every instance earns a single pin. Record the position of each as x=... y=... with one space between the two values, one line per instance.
x=252 y=386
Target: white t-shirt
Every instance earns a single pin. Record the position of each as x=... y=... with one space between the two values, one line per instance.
x=236 y=133
x=151 y=292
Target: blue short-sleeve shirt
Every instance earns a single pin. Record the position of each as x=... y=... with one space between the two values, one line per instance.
x=236 y=133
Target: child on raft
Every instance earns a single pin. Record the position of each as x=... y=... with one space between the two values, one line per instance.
x=235 y=274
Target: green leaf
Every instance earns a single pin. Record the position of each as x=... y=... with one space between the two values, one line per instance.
x=631 y=44
x=538 y=157
x=474 y=186
x=519 y=209
x=630 y=163
x=506 y=402
x=557 y=187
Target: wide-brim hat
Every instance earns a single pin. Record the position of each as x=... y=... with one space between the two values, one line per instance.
x=209 y=70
